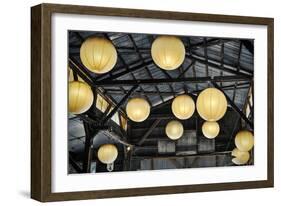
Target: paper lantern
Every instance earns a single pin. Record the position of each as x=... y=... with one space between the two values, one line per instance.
x=80 y=97
x=107 y=153
x=244 y=140
x=183 y=106
x=241 y=157
x=211 y=104
x=168 y=52
x=137 y=109
x=174 y=130
x=98 y=55
x=210 y=129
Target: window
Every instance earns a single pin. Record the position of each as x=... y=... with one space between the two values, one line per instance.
x=123 y=122
x=115 y=117
x=101 y=104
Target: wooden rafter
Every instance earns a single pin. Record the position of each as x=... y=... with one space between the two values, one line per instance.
x=148 y=132
x=117 y=107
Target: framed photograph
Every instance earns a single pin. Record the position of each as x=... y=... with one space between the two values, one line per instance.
x=137 y=102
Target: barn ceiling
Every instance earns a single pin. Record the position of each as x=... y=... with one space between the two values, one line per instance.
x=230 y=62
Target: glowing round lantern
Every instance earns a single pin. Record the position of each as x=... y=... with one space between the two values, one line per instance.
x=80 y=97
x=98 y=55
x=211 y=104
x=138 y=109
x=183 y=106
x=244 y=140
x=210 y=129
x=107 y=153
x=168 y=52
x=240 y=157
x=174 y=130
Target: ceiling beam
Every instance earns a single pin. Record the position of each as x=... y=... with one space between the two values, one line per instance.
x=117 y=107
x=120 y=68
x=136 y=68
x=148 y=132
x=186 y=69
x=217 y=65
x=81 y=72
x=111 y=83
x=149 y=93
x=169 y=156
x=88 y=78
x=114 y=136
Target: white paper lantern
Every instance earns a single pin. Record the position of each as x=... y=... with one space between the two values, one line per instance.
x=244 y=140
x=168 y=52
x=174 y=130
x=80 y=97
x=211 y=104
x=98 y=54
x=240 y=157
x=138 y=109
x=107 y=153
x=210 y=129
x=183 y=106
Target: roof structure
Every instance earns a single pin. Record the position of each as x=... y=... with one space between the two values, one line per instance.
x=225 y=63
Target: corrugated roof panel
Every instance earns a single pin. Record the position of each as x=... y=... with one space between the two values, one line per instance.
x=156 y=72
x=246 y=59
x=202 y=86
x=195 y=40
x=229 y=93
x=149 y=88
x=130 y=58
x=141 y=74
x=122 y=41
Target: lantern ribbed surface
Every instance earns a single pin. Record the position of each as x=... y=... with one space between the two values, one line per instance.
x=210 y=129
x=211 y=104
x=98 y=55
x=183 y=107
x=168 y=52
x=244 y=140
x=138 y=109
x=80 y=97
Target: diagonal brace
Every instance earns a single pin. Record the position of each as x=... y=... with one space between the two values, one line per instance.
x=234 y=106
x=104 y=120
